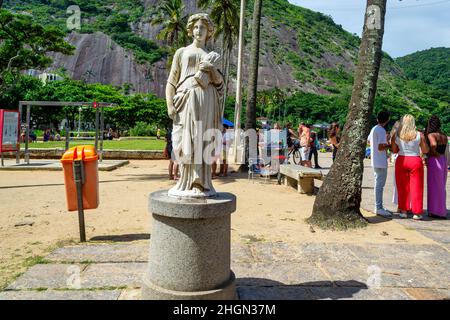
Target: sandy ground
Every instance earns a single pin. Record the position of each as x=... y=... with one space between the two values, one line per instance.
x=265 y=212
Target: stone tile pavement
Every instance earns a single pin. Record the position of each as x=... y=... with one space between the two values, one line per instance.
x=264 y=271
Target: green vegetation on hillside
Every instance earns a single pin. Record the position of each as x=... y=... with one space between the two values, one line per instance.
x=431 y=66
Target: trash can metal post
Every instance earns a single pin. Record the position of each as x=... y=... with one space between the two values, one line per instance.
x=102 y=128
x=67 y=134
x=27 y=128
x=78 y=176
x=20 y=129
x=96 y=127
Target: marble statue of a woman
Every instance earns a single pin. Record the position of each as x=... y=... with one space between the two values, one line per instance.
x=193 y=91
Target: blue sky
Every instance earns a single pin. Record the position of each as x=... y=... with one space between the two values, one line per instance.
x=411 y=25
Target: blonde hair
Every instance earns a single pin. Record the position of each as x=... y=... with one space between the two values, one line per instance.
x=407 y=128
x=395 y=128
x=205 y=18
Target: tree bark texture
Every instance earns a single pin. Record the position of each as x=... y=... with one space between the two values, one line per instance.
x=337 y=204
x=253 y=77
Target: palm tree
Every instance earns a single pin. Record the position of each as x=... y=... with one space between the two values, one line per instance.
x=337 y=204
x=171 y=16
x=225 y=15
x=254 y=62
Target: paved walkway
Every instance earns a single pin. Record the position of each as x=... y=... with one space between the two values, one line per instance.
x=264 y=270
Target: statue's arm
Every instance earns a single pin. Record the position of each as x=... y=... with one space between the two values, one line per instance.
x=170 y=93
x=216 y=76
x=174 y=77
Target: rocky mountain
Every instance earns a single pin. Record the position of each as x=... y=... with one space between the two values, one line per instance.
x=301 y=49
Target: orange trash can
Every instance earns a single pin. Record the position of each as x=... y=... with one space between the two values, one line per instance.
x=89 y=156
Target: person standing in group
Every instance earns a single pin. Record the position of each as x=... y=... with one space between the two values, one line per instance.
x=314 y=146
x=409 y=172
x=333 y=136
x=292 y=139
x=378 y=159
x=437 y=169
x=394 y=158
x=304 y=133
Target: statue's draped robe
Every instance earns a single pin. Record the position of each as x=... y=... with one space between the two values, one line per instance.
x=198 y=109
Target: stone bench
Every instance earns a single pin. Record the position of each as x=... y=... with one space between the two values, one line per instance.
x=301 y=177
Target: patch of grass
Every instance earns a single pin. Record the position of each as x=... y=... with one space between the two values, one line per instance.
x=34 y=260
x=157 y=145
x=40 y=289
x=337 y=224
x=252 y=238
x=93 y=289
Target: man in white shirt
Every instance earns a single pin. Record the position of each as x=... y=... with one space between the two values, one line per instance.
x=378 y=156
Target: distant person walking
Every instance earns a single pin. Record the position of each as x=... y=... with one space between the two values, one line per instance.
x=292 y=138
x=333 y=136
x=158 y=133
x=378 y=159
x=409 y=172
x=47 y=135
x=173 y=166
x=304 y=133
x=437 y=169
x=314 y=146
x=226 y=142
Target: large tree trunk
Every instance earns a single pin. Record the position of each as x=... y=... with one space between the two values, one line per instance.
x=337 y=204
x=253 y=77
x=1 y=3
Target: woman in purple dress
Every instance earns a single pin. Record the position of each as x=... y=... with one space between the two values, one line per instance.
x=437 y=169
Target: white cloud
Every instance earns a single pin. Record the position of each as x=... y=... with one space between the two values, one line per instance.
x=411 y=25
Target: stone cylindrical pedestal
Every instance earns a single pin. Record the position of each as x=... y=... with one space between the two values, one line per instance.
x=190 y=248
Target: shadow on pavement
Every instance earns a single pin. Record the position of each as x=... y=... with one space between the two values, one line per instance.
x=266 y=289
x=123 y=237
x=377 y=219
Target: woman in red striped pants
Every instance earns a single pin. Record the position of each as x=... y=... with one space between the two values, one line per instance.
x=409 y=172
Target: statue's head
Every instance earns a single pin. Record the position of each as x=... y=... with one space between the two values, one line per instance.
x=204 y=19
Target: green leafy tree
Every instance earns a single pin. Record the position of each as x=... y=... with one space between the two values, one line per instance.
x=23 y=45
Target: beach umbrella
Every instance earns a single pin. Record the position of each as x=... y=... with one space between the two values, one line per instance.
x=227 y=122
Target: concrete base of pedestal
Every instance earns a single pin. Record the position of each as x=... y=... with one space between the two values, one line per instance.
x=154 y=292
x=190 y=248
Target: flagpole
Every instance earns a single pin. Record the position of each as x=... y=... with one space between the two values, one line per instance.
x=238 y=106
